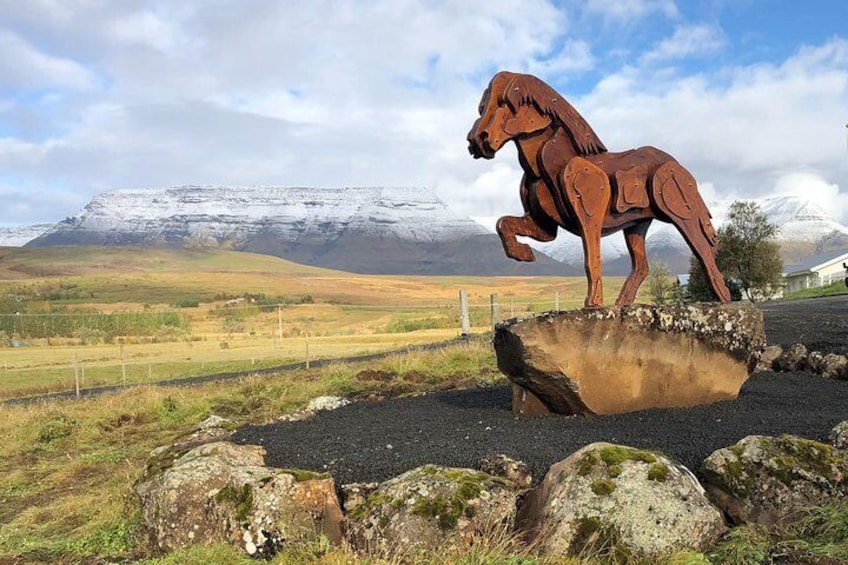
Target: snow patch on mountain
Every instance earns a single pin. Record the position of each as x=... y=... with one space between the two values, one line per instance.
x=18 y=236
x=236 y=213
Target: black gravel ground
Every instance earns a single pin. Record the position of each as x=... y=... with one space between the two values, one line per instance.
x=374 y=441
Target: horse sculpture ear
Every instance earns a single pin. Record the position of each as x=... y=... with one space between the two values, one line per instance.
x=526 y=120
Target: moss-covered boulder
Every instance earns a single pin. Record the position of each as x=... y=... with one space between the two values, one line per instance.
x=771 y=480
x=614 y=498
x=223 y=492
x=429 y=508
x=839 y=435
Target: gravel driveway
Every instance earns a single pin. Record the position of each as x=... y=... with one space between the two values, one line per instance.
x=374 y=441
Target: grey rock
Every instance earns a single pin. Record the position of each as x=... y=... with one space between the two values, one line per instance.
x=814 y=362
x=792 y=358
x=839 y=435
x=768 y=357
x=770 y=480
x=326 y=403
x=222 y=492
x=353 y=495
x=605 y=495
x=505 y=467
x=834 y=366
x=431 y=508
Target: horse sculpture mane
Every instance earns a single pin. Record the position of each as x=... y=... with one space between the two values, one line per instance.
x=527 y=89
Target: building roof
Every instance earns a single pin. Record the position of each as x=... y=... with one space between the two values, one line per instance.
x=816 y=262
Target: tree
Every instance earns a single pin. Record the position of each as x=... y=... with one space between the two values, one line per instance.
x=660 y=284
x=748 y=256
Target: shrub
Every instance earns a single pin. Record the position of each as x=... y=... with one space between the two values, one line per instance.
x=57 y=427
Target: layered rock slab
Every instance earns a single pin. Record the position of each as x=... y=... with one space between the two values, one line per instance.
x=609 y=360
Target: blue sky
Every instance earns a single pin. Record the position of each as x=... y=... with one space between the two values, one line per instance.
x=751 y=95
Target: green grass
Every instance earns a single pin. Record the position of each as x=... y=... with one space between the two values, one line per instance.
x=820 y=536
x=829 y=290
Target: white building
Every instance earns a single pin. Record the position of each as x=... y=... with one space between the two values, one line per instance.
x=816 y=271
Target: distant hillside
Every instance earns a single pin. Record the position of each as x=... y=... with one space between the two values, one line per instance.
x=362 y=230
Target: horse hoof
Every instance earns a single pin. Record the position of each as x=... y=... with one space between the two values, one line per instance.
x=522 y=253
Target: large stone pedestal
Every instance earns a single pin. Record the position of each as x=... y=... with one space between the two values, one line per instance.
x=609 y=360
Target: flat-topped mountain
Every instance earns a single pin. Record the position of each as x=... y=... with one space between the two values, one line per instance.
x=362 y=230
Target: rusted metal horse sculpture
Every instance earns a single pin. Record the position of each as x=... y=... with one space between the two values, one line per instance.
x=570 y=180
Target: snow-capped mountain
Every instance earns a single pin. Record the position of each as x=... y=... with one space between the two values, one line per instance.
x=367 y=230
x=804 y=229
x=19 y=236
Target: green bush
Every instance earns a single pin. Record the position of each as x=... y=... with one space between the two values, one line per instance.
x=57 y=427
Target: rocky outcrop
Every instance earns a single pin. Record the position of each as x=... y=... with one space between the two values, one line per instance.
x=222 y=492
x=610 y=495
x=771 y=480
x=619 y=359
x=429 y=508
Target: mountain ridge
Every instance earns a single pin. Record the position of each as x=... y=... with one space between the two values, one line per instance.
x=374 y=230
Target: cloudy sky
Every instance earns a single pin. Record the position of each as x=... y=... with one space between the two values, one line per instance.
x=751 y=95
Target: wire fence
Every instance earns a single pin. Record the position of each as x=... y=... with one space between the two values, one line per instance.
x=72 y=351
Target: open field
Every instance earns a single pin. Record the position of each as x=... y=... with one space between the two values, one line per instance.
x=292 y=312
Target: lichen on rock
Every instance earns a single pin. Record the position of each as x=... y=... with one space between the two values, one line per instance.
x=634 y=502
x=771 y=480
x=430 y=507
x=838 y=436
x=223 y=492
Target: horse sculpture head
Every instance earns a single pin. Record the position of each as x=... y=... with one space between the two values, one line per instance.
x=515 y=105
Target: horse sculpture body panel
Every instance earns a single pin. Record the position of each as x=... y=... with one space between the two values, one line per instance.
x=571 y=180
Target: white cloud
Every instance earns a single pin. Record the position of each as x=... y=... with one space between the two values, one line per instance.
x=23 y=66
x=811 y=186
x=687 y=40
x=631 y=11
x=574 y=57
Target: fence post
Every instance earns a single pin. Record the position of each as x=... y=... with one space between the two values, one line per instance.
x=76 y=376
x=279 y=327
x=123 y=366
x=556 y=301
x=307 y=349
x=464 y=318
x=496 y=310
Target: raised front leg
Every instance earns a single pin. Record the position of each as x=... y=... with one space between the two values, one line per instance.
x=635 y=238
x=528 y=225
x=587 y=190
